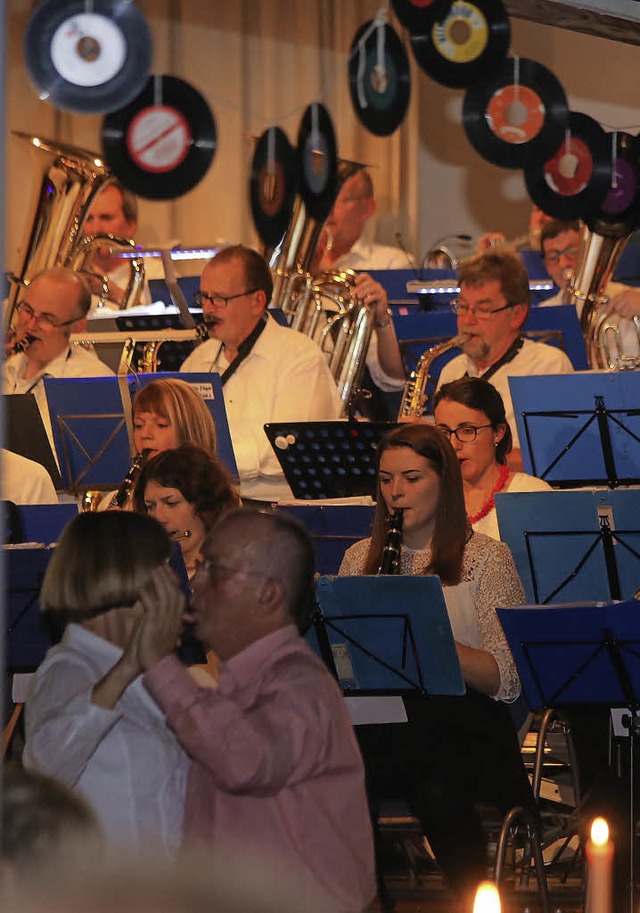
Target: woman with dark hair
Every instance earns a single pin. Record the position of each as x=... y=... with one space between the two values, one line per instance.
x=187 y=490
x=90 y=722
x=454 y=751
x=470 y=411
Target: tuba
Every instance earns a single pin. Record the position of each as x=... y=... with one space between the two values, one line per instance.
x=414 y=396
x=70 y=179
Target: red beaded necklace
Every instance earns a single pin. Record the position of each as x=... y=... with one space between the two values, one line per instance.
x=489 y=503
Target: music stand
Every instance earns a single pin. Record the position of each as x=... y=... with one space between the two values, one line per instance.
x=328 y=459
x=591 y=438
x=26 y=434
x=573 y=545
x=27 y=639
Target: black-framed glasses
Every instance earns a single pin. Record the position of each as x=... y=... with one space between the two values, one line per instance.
x=553 y=256
x=466 y=434
x=461 y=308
x=220 y=300
x=44 y=319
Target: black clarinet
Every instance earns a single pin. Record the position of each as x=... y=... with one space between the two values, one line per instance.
x=393 y=544
x=121 y=496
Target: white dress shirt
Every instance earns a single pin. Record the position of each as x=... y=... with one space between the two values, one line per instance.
x=25 y=481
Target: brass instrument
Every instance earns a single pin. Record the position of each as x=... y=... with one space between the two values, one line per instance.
x=393 y=544
x=70 y=179
x=414 y=396
x=454 y=251
x=597 y=260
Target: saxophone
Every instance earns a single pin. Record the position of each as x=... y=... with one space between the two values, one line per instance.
x=393 y=544
x=414 y=396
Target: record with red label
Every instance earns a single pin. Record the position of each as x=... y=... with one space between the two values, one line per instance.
x=468 y=42
x=272 y=186
x=88 y=58
x=317 y=161
x=574 y=181
x=619 y=212
x=419 y=15
x=163 y=142
x=517 y=116
x=379 y=78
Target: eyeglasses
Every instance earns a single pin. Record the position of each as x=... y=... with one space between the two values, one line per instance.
x=466 y=434
x=214 y=566
x=553 y=256
x=220 y=300
x=45 y=319
x=460 y=308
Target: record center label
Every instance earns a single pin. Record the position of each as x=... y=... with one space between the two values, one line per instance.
x=623 y=189
x=516 y=114
x=570 y=169
x=159 y=139
x=88 y=49
x=463 y=35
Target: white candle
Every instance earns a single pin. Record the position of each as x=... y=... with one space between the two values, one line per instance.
x=600 y=877
x=487 y=898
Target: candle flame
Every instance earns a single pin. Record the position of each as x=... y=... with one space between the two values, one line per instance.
x=599 y=831
x=487 y=898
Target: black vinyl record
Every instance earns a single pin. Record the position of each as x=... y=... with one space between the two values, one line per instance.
x=90 y=59
x=466 y=44
x=573 y=182
x=272 y=186
x=419 y=15
x=162 y=143
x=317 y=161
x=619 y=212
x=379 y=78
x=517 y=116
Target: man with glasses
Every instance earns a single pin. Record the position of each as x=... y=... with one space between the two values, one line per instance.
x=276 y=773
x=269 y=373
x=492 y=308
x=52 y=307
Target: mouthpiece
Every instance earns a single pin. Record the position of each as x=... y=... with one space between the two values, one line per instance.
x=185 y=535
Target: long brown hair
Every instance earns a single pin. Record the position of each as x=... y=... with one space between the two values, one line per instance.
x=451 y=525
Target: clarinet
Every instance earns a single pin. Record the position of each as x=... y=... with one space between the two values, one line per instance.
x=121 y=496
x=393 y=544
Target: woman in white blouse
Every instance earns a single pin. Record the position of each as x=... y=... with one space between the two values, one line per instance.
x=454 y=751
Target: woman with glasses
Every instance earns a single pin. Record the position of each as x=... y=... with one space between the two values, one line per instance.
x=90 y=722
x=453 y=752
x=471 y=413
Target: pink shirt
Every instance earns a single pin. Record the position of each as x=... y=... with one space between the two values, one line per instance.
x=276 y=768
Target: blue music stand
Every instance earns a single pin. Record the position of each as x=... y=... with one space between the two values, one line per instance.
x=573 y=545
x=392 y=635
x=27 y=639
x=579 y=429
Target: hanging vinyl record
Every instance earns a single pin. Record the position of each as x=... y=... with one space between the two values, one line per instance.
x=517 y=116
x=317 y=162
x=466 y=44
x=619 y=212
x=419 y=15
x=162 y=143
x=574 y=181
x=272 y=186
x=88 y=58
x=379 y=78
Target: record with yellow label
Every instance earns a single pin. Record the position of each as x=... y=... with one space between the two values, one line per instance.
x=466 y=43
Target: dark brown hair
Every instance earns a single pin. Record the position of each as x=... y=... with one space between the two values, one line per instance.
x=555 y=227
x=479 y=394
x=256 y=268
x=503 y=266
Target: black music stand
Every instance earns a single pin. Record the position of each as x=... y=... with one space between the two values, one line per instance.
x=590 y=438
x=172 y=352
x=328 y=459
x=26 y=434
x=387 y=635
x=573 y=545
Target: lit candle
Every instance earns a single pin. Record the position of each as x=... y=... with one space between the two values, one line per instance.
x=487 y=898
x=600 y=858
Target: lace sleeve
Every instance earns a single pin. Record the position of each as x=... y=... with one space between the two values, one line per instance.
x=490 y=565
x=354 y=559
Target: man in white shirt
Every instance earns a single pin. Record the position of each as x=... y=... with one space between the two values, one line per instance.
x=492 y=307
x=113 y=212
x=25 y=481
x=54 y=305
x=269 y=373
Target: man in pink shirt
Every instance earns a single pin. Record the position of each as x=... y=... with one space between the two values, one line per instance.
x=276 y=770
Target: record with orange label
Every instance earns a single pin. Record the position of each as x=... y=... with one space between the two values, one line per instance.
x=90 y=58
x=272 y=186
x=517 y=116
x=317 y=161
x=161 y=144
x=619 y=212
x=379 y=78
x=468 y=42
x=574 y=181
x=419 y=15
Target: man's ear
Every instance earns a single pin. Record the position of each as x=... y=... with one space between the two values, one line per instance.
x=271 y=596
x=520 y=313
